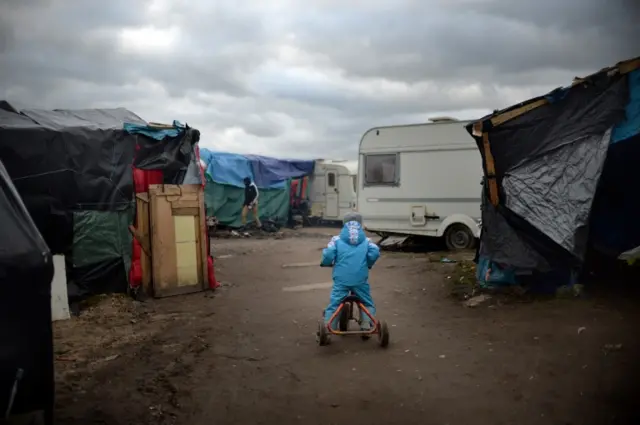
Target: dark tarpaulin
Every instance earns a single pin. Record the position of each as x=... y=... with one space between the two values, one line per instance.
x=67 y=161
x=582 y=112
x=172 y=153
x=26 y=271
x=548 y=163
x=167 y=148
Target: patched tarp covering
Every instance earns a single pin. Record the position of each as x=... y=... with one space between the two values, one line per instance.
x=26 y=271
x=226 y=168
x=167 y=148
x=548 y=163
x=62 y=161
x=557 y=200
x=73 y=169
x=573 y=115
x=224 y=202
x=269 y=171
x=231 y=169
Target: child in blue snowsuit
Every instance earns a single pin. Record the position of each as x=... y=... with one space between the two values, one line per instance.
x=352 y=254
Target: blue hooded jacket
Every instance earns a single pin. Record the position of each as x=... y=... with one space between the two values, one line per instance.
x=352 y=254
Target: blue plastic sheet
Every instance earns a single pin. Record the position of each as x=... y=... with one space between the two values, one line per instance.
x=631 y=125
x=157 y=133
x=491 y=274
x=226 y=168
x=557 y=95
x=267 y=173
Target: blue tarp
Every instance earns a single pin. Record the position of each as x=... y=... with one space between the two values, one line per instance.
x=490 y=274
x=631 y=125
x=226 y=168
x=157 y=133
x=267 y=173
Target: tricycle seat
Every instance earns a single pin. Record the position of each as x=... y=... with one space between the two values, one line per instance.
x=351 y=299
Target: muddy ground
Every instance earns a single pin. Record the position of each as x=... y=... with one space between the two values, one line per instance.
x=246 y=354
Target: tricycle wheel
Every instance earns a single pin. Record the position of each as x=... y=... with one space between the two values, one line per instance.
x=345 y=316
x=322 y=334
x=383 y=334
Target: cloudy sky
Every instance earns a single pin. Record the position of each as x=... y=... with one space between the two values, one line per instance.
x=303 y=78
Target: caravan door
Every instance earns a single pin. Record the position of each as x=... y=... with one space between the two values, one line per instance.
x=331 y=196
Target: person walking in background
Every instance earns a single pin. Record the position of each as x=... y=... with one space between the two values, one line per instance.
x=250 y=202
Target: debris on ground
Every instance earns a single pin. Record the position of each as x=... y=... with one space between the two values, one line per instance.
x=477 y=300
x=392 y=242
x=608 y=348
x=463 y=280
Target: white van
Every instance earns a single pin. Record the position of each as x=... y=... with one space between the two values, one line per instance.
x=422 y=179
x=331 y=191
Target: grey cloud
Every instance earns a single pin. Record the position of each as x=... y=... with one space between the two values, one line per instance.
x=217 y=50
x=64 y=53
x=508 y=37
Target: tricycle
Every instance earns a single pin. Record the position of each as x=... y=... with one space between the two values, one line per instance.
x=345 y=314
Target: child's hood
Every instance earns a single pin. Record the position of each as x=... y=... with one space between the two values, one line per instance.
x=352 y=233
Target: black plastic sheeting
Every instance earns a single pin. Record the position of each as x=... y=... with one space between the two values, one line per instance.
x=26 y=271
x=64 y=161
x=171 y=154
x=548 y=164
x=573 y=115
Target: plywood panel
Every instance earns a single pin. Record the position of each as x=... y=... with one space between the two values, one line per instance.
x=186 y=249
x=163 y=242
x=178 y=228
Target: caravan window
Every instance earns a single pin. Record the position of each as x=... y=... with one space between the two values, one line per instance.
x=331 y=179
x=381 y=169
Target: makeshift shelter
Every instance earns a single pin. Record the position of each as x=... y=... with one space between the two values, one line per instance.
x=560 y=175
x=171 y=251
x=224 y=190
x=74 y=171
x=26 y=352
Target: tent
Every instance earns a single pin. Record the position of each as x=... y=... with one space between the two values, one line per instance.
x=560 y=175
x=26 y=267
x=74 y=171
x=224 y=190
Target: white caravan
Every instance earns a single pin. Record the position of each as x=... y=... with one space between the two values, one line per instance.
x=422 y=179
x=331 y=190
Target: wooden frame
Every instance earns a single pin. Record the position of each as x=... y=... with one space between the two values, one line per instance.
x=162 y=248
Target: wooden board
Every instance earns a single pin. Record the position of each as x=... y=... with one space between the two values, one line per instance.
x=178 y=229
x=143 y=234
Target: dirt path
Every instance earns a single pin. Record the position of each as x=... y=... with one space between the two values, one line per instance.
x=248 y=354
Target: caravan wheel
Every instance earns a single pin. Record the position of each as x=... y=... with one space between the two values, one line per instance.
x=458 y=236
